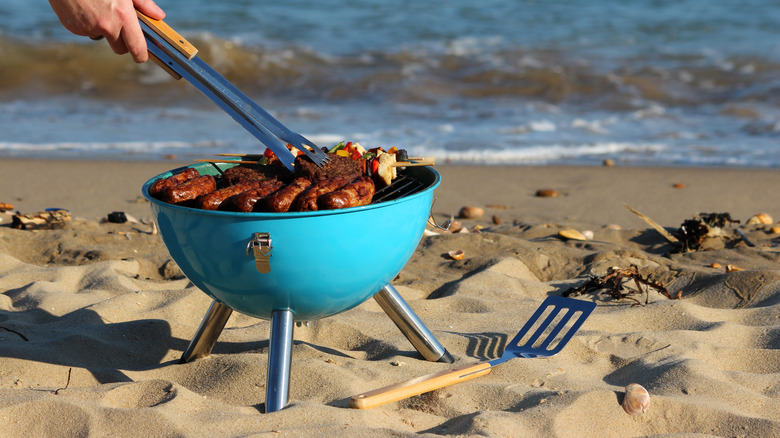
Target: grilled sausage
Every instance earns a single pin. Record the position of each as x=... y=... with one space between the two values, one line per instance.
x=163 y=184
x=245 y=202
x=212 y=201
x=358 y=192
x=282 y=200
x=307 y=201
x=190 y=190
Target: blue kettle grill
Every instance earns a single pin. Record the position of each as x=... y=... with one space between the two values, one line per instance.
x=299 y=266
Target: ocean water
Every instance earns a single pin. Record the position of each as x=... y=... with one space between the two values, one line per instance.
x=685 y=82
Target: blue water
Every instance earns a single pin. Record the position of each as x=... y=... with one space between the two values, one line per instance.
x=687 y=82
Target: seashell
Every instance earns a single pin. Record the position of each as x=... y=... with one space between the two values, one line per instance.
x=733 y=268
x=4 y=206
x=775 y=230
x=588 y=234
x=678 y=185
x=469 y=212
x=457 y=254
x=455 y=226
x=716 y=265
x=571 y=234
x=496 y=220
x=613 y=227
x=760 y=219
x=608 y=162
x=547 y=193
x=637 y=399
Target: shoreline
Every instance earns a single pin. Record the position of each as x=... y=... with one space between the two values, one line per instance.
x=589 y=194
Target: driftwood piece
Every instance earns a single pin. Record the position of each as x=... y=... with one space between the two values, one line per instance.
x=654 y=224
x=45 y=220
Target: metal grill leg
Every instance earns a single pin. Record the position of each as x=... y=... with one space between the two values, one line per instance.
x=277 y=386
x=209 y=330
x=411 y=326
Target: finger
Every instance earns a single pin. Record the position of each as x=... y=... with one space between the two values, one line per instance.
x=117 y=43
x=135 y=42
x=150 y=8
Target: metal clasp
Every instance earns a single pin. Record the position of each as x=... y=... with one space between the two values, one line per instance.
x=261 y=247
x=432 y=221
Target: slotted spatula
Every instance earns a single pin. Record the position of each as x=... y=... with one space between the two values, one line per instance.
x=562 y=318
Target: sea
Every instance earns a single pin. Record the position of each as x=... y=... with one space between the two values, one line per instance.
x=525 y=82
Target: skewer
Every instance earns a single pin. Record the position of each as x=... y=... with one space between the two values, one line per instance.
x=260 y=155
x=396 y=164
x=412 y=163
x=226 y=161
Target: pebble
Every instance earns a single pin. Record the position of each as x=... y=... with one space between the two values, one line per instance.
x=547 y=193
x=469 y=212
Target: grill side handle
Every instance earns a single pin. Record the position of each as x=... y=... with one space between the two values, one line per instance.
x=432 y=222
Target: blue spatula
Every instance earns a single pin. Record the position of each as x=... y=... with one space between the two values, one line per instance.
x=546 y=333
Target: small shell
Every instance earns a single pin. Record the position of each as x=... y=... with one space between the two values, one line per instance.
x=760 y=219
x=637 y=399
x=775 y=230
x=571 y=234
x=608 y=162
x=678 y=185
x=716 y=265
x=733 y=268
x=457 y=254
x=588 y=234
x=613 y=227
x=4 y=206
x=469 y=212
x=455 y=226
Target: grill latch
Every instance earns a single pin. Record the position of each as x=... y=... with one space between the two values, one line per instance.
x=260 y=246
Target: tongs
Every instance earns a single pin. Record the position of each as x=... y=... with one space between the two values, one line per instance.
x=178 y=57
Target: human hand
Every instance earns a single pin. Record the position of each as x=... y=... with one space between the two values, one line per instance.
x=116 y=20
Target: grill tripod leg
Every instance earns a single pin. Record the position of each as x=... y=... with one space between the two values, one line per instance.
x=277 y=385
x=411 y=326
x=209 y=330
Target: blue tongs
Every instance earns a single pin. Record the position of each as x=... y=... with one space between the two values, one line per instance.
x=178 y=57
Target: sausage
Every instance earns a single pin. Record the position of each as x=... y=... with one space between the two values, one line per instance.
x=282 y=199
x=307 y=201
x=163 y=184
x=358 y=192
x=245 y=202
x=190 y=190
x=212 y=201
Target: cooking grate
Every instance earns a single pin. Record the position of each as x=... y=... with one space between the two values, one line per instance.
x=404 y=185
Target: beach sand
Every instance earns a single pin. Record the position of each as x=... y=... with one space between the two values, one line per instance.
x=94 y=317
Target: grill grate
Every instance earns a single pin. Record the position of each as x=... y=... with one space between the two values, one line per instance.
x=404 y=185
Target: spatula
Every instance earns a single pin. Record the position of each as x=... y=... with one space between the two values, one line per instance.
x=538 y=338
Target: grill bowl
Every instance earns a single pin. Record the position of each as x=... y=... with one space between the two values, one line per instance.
x=322 y=263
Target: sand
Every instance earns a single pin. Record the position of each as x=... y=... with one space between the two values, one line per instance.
x=94 y=317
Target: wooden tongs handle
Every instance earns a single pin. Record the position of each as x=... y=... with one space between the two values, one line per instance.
x=171 y=37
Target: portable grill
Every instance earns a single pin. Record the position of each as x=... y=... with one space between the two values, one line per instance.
x=300 y=266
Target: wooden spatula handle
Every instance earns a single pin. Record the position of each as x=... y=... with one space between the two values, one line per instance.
x=399 y=391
